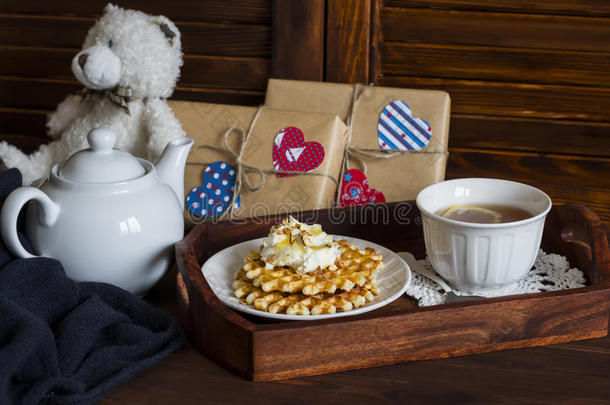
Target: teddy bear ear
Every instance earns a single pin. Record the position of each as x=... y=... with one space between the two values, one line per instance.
x=111 y=7
x=168 y=29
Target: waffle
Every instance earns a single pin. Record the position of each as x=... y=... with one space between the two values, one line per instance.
x=348 y=284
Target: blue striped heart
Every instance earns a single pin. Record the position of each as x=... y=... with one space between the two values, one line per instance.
x=397 y=129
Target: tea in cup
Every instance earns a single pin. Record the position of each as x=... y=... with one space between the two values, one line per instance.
x=482 y=233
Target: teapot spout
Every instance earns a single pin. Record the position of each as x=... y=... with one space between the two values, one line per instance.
x=170 y=167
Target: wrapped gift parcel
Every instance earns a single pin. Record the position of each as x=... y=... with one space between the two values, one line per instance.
x=290 y=160
x=399 y=136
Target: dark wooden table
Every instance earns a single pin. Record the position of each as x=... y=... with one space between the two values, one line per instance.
x=576 y=373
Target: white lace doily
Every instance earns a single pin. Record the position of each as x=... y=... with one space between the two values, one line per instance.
x=550 y=272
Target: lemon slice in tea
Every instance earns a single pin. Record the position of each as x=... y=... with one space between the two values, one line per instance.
x=472 y=213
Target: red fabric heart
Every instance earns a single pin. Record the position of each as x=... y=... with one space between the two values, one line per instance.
x=355 y=190
x=292 y=153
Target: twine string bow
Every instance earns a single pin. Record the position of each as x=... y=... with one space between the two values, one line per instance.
x=242 y=170
x=358 y=154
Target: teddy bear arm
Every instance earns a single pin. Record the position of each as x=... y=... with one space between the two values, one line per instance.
x=67 y=111
x=162 y=126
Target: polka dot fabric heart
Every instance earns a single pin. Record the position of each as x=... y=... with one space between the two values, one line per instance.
x=355 y=190
x=214 y=196
x=292 y=153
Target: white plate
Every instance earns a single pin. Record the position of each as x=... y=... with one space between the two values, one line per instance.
x=220 y=269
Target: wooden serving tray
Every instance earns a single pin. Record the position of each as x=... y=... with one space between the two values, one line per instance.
x=263 y=350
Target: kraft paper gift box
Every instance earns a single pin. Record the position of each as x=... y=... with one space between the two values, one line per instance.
x=280 y=140
x=384 y=118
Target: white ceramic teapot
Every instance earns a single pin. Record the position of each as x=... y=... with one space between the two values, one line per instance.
x=106 y=215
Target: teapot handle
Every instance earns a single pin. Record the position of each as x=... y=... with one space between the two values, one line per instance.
x=10 y=212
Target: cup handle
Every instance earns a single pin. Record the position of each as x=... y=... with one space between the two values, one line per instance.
x=10 y=212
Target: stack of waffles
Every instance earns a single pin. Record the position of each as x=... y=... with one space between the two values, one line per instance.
x=347 y=284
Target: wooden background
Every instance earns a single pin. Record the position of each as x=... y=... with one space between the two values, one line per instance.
x=529 y=81
x=227 y=54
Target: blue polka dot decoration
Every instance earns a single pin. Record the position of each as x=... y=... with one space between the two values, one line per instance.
x=215 y=194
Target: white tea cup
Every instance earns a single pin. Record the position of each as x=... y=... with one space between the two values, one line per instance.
x=480 y=256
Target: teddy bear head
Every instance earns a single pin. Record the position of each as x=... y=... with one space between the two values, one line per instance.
x=132 y=49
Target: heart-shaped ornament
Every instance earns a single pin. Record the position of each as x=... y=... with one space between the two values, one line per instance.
x=215 y=194
x=355 y=190
x=292 y=153
x=398 y=130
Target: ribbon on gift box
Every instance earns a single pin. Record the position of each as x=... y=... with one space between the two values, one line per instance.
x=242 y=169
x=361 y=154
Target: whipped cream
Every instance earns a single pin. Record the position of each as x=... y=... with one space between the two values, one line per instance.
x=299 y=246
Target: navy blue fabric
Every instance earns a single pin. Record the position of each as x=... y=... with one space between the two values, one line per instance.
x=63 y=342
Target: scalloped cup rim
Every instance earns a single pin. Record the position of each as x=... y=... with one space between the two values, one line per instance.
x=535 y=217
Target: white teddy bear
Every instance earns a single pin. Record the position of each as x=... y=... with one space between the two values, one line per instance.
x=129 y=64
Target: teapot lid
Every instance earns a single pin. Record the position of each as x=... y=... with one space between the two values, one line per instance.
x=101 y=163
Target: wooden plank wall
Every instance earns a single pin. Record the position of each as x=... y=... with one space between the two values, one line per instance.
x=529 y=82
x=227 y=48
x=298 y=39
